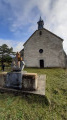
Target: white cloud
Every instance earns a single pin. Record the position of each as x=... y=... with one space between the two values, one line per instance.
x=8 y=42
x=17 y=46
x=23 y=12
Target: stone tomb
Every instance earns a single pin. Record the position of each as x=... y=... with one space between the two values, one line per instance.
x=15 y=79
x=19 y=80
x=31 y=83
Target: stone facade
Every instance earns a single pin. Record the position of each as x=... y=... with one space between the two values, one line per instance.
x=44 y=49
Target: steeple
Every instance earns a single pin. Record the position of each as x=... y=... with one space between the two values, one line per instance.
x=40 y=23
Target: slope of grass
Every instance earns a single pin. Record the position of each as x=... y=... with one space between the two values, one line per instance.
x=33 y=107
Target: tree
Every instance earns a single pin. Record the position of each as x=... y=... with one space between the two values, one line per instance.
x=6 y=53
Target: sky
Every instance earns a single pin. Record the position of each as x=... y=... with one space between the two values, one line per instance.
x=18 y=20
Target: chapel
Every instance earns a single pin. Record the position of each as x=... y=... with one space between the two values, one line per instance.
x=44 y=49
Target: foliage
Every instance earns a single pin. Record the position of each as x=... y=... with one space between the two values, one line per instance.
x=5 y=53
x=34 y=107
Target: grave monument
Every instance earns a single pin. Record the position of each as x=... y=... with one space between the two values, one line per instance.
x=18 y=79
x=14 y=78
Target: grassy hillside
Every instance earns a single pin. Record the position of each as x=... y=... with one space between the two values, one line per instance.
x=33 y=107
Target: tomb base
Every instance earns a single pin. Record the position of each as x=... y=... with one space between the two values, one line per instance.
x=14 y=80
x=27 y=81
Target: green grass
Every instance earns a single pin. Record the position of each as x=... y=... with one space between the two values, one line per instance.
x=33 y=107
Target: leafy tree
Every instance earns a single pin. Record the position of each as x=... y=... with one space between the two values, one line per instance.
x=6 y=53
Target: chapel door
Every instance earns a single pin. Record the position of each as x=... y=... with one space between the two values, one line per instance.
x=41 y=63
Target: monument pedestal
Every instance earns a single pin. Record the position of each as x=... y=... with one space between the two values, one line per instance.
x=31 y=83
x=27 y=81
x=14 y=80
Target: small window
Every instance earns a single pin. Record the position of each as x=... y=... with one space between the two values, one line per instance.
x=41 y=51
x=40 y=33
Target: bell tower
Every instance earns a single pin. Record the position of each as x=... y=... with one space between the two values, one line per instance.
x=40 y=23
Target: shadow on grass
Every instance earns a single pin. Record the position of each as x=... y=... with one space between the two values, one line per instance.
x=30 y=98
x=38 y=99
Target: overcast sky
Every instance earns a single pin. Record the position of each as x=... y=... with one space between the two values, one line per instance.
x=18 y=20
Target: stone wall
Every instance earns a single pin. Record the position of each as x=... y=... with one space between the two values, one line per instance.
x=52 y=55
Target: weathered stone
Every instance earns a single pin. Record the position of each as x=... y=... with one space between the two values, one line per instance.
x=29 y=81
x=14 y=80
x=2 y=78
x=35 y=86
x=53 y=54
x=24 y=80
x=40 y=89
